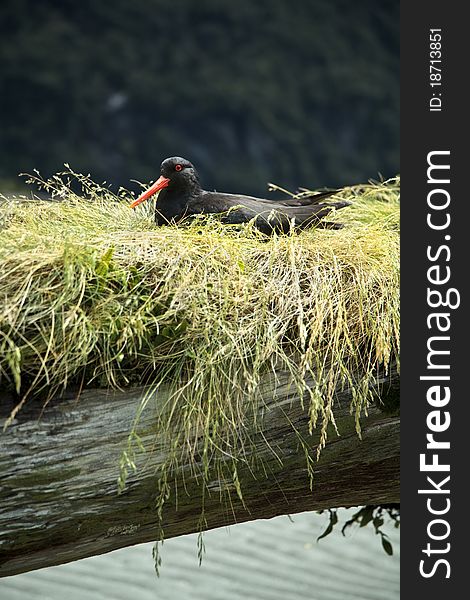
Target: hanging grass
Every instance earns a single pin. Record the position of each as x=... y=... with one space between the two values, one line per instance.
x=94 y=294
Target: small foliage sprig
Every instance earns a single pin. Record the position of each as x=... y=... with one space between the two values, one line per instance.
x=364 y=516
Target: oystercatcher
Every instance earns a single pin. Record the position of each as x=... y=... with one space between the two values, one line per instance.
x=181 y=196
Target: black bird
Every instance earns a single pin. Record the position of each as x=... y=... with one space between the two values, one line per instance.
x=181 y=196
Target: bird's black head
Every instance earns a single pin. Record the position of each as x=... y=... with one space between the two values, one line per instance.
x=177 y=168
x=176 y=173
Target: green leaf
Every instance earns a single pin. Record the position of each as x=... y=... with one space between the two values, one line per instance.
x=387 y=546
x=378 y=522
x=102 y=266
x=367 y=515
x=331 y=524
x=327 y=531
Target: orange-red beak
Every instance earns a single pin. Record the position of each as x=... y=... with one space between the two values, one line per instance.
x=161 y=183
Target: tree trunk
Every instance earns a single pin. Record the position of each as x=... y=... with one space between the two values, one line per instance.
x=59 y=469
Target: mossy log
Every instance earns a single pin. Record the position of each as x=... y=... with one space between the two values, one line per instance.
x=59 y=468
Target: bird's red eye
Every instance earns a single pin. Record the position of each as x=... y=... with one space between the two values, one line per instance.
x=178 y=168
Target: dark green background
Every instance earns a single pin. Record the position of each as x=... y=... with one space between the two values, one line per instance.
x=297 y=92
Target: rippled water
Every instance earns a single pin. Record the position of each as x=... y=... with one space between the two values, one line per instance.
x=262 y=560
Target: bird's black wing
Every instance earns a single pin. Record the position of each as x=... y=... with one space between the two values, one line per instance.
x=269 y=215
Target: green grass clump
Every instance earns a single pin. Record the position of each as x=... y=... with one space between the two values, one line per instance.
x=94 y=294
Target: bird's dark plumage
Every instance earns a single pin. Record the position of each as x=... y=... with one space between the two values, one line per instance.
x=181 y=196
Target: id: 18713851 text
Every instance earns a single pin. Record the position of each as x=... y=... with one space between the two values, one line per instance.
x=435 y=69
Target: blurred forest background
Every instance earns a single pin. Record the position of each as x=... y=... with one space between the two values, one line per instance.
x=298 y=92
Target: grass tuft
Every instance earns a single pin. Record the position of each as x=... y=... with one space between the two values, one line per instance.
x=94 y=294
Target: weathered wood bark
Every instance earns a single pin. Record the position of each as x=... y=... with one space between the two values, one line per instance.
x=58 y=474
